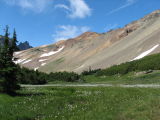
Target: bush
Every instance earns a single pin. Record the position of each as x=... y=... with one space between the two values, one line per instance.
x=64 y=76
x=90 y=72
x=1 y=82
x=26 y=76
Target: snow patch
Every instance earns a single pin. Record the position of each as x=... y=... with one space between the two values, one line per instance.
x=27 y=61
x=19 y=61
x=52 y=53
x=17 y=53
x=43 y=64
x=42 y=60
x=36 y=68
x=146 y=53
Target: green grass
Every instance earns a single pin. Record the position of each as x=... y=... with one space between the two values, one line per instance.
x=151 y=62
x=130 y=78
x=82 y=104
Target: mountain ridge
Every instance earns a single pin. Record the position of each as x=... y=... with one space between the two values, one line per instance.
x=96 y=50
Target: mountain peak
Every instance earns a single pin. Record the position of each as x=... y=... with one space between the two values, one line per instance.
x=24 y=45
x=87 y=35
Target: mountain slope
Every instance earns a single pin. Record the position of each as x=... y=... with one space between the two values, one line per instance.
x=134 y=41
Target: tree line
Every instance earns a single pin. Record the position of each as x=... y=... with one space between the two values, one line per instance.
x=12 y=75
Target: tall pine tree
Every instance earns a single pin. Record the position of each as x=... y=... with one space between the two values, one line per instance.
x=1 y=66
x=14 y=42
x=8 y=67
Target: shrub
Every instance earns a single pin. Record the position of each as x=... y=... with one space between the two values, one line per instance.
x=151 y=62
x=26 y=76
x=90 y=72
x=64 y=76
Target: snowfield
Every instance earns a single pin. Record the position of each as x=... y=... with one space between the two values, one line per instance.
x=42 y=60
x=19 y=61
x=146 y=53
x=17 y=53
x=52 y=53
x=43 y=64
x=27 y=61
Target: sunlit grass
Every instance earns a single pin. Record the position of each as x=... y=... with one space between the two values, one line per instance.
x=130 y=78
x=82 y=103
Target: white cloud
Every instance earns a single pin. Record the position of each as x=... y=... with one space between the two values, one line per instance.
x=62 y=6
x=69 y=31
x=37 y=6
x=76 y=9
x=126 y=4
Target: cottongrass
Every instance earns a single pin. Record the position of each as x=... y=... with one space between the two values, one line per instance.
x=81 y=103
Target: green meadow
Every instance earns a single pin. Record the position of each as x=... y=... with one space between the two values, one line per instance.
x=81 y=103
x=130 y=78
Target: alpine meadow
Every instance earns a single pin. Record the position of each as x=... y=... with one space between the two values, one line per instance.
x=79 y=60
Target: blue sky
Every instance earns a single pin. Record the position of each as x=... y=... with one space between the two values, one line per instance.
x=44 y=22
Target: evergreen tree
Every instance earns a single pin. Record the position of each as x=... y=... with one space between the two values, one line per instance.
x=8 y=68
x=6 y=38
x=1 y=66
x=14 y=42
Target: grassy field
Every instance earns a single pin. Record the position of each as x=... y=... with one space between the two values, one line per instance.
x=87 y=103
x=59 y=103
x=130 y=78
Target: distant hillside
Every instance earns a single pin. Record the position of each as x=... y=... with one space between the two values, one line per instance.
x=92 y=50
x=22 y=45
